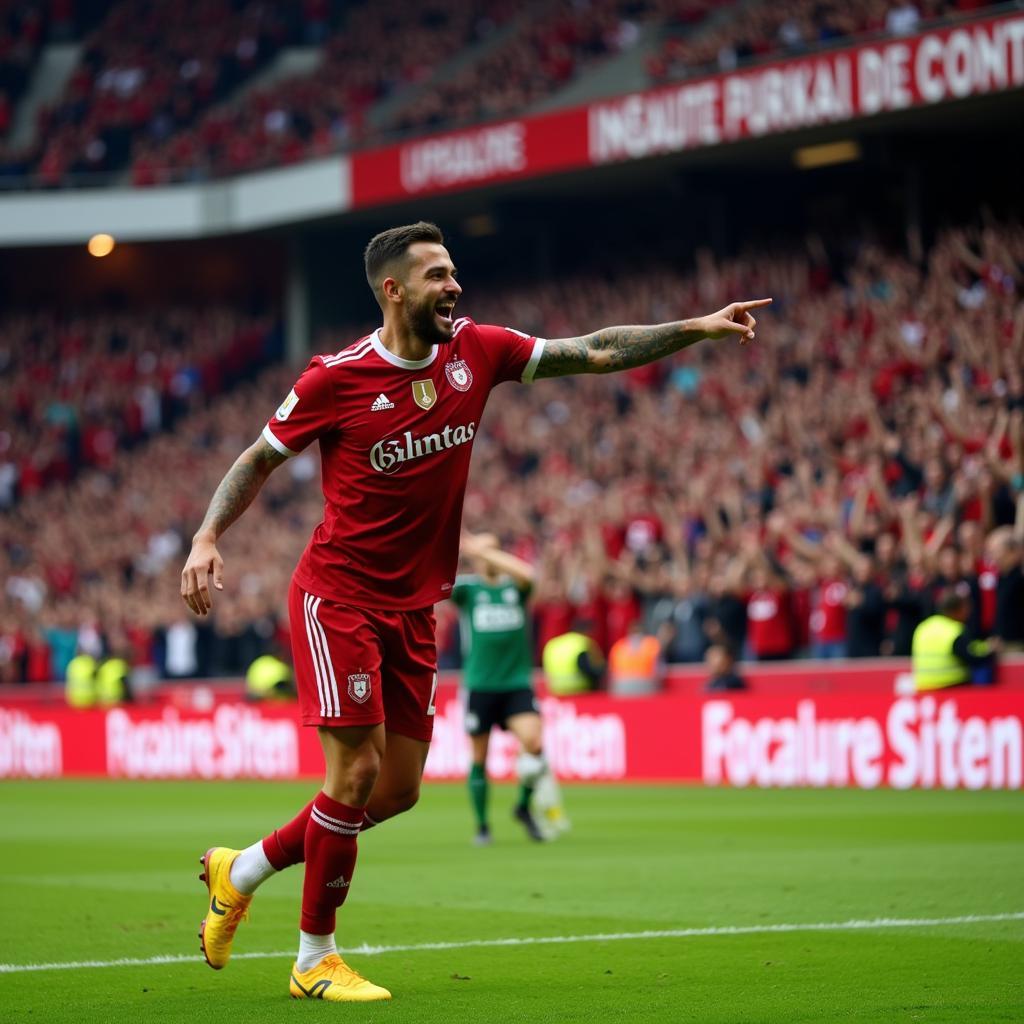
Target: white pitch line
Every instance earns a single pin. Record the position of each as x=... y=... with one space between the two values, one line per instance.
x=870 y=924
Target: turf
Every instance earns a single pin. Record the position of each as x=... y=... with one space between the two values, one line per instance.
x=100 y=871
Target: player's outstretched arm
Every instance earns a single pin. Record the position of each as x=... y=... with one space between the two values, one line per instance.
x=622 y=348
x=234 y=494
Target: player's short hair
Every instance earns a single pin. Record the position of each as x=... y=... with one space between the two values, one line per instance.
x=391 y=245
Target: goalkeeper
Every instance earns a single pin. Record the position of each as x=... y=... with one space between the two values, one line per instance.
x=497 y=670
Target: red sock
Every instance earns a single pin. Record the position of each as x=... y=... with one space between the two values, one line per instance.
x=285 y=846
x=330 y=861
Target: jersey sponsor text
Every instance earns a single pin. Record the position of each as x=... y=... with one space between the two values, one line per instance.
x=388 y=455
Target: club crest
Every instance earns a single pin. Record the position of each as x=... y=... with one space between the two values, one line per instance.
x=359 y=687
x=459 y=375
x=423 y=393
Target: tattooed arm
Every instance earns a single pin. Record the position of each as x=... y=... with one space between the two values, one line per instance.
x=233 y=496
x=622 y=348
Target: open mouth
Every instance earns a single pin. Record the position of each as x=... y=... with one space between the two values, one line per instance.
x=445 y=311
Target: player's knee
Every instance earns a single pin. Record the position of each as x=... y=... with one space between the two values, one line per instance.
x=353 y=783
x=407 y=799
x=529 y=767
x=387 y=805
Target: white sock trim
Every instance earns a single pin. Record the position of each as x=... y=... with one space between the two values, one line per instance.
x=251 y=869
x=313 y=948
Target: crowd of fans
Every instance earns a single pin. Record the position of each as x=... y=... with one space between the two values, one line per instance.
x=792 y=28
x=79 y=391
x=23 y=28
x=809 y=494
x=375 y=52
x=156 y=87
x=551 y=50
x=148 y=71
x=813 y=495
x=373 y=55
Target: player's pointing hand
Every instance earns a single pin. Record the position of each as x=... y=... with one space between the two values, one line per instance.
x=734 y=319
x=203 y=562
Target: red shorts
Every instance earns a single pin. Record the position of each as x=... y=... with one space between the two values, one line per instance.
x=360 y=666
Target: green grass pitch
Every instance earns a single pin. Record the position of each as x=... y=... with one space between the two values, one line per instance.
x=98 y=871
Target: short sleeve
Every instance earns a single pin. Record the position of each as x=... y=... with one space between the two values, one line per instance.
x=306 y=414
x=513 y=354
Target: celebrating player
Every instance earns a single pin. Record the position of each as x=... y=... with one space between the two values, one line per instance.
x=497 y=677
x=395 y=415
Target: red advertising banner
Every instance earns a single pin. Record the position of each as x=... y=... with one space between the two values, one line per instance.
x=969 y=59
x=523 y=148
x=799 y=725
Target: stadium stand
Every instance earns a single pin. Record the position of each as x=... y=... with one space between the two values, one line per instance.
x=774 y=30
x=148 y=70
x=83 y=388
x=23 y=28
x=366 y=60
x=163 y=99
x=369 y=60
x=563 y=43
x=812 y=501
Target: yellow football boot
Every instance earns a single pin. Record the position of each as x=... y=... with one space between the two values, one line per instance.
x=228 y=907
x=334 y=981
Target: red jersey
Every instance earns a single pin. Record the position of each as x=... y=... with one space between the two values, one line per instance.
x=828 y=619
x=769 y=625
x=988 y=581
x=395 y=442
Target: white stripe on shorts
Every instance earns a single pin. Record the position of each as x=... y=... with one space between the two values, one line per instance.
x=330 y=683
x=315 y=653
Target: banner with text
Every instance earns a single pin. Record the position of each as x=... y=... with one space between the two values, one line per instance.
x=972 y=58
x=970 y=738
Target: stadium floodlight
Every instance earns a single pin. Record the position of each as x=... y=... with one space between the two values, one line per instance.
x=101 y=245
x=829 y=153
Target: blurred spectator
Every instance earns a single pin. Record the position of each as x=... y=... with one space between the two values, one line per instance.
x=572 y=662
x=944 y=654
x=635 y=665
x=721 y=666
x=1006 y=557
x=269 y=678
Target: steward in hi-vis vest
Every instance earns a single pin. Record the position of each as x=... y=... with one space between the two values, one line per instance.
x=942 y=654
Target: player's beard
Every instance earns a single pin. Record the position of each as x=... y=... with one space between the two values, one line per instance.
x=422 y=322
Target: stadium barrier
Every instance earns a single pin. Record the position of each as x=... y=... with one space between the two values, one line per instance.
x=802 y=724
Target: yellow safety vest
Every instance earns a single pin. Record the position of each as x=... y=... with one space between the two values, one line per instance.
x=80 y=677
x=560 y=663
x=266 y=676
x=931 y=652
x=110 y=681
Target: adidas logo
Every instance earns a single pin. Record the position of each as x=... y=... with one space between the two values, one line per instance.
x=339 y=882
x=381 y=402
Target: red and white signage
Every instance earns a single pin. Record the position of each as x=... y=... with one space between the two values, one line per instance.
x=810 y=724
x=971 y=59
